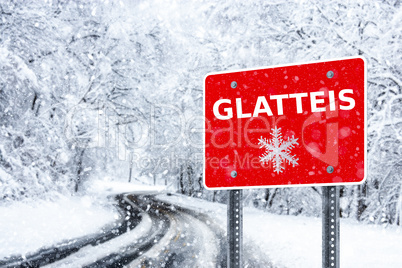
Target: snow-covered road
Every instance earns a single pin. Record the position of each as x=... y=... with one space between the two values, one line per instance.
x=167 y=236
x=180 y=231
x=189 y=242
x=176 y=239
x=194 y=239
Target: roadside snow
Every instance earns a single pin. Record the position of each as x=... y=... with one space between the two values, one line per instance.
x=107 y=187
x=296 y=241
x=90 y=254
x=25 y=228
x=291 y=241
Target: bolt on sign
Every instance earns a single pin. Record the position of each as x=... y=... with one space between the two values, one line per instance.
x=294 y=125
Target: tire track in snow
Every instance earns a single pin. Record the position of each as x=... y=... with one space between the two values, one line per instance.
x=190 y=242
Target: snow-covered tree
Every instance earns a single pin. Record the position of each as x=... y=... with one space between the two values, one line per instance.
x=91 y=87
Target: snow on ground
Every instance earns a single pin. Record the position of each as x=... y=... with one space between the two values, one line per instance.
x=291 y=241
x=26 y=227
x=90 y=254
x=288 y=241
x=109 y=187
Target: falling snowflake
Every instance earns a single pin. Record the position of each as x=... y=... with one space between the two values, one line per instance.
x=278 y=150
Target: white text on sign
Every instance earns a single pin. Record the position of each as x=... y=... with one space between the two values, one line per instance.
x=262 y=105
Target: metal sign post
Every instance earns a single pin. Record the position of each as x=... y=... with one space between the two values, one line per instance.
x=286 y=123
x=330 y=227
x=235 y=229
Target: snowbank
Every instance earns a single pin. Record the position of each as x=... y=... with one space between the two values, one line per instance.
x=106 y=187
x=90 y=254
x=25 y=228
x=296 y=241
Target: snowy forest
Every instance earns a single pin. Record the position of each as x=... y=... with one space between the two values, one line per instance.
x=92 y=89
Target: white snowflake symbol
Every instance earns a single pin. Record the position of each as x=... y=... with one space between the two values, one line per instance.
x=278 y=150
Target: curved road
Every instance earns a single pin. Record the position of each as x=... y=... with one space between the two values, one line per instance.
x=167 y=236
x=175 y=239
x=190 y=241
